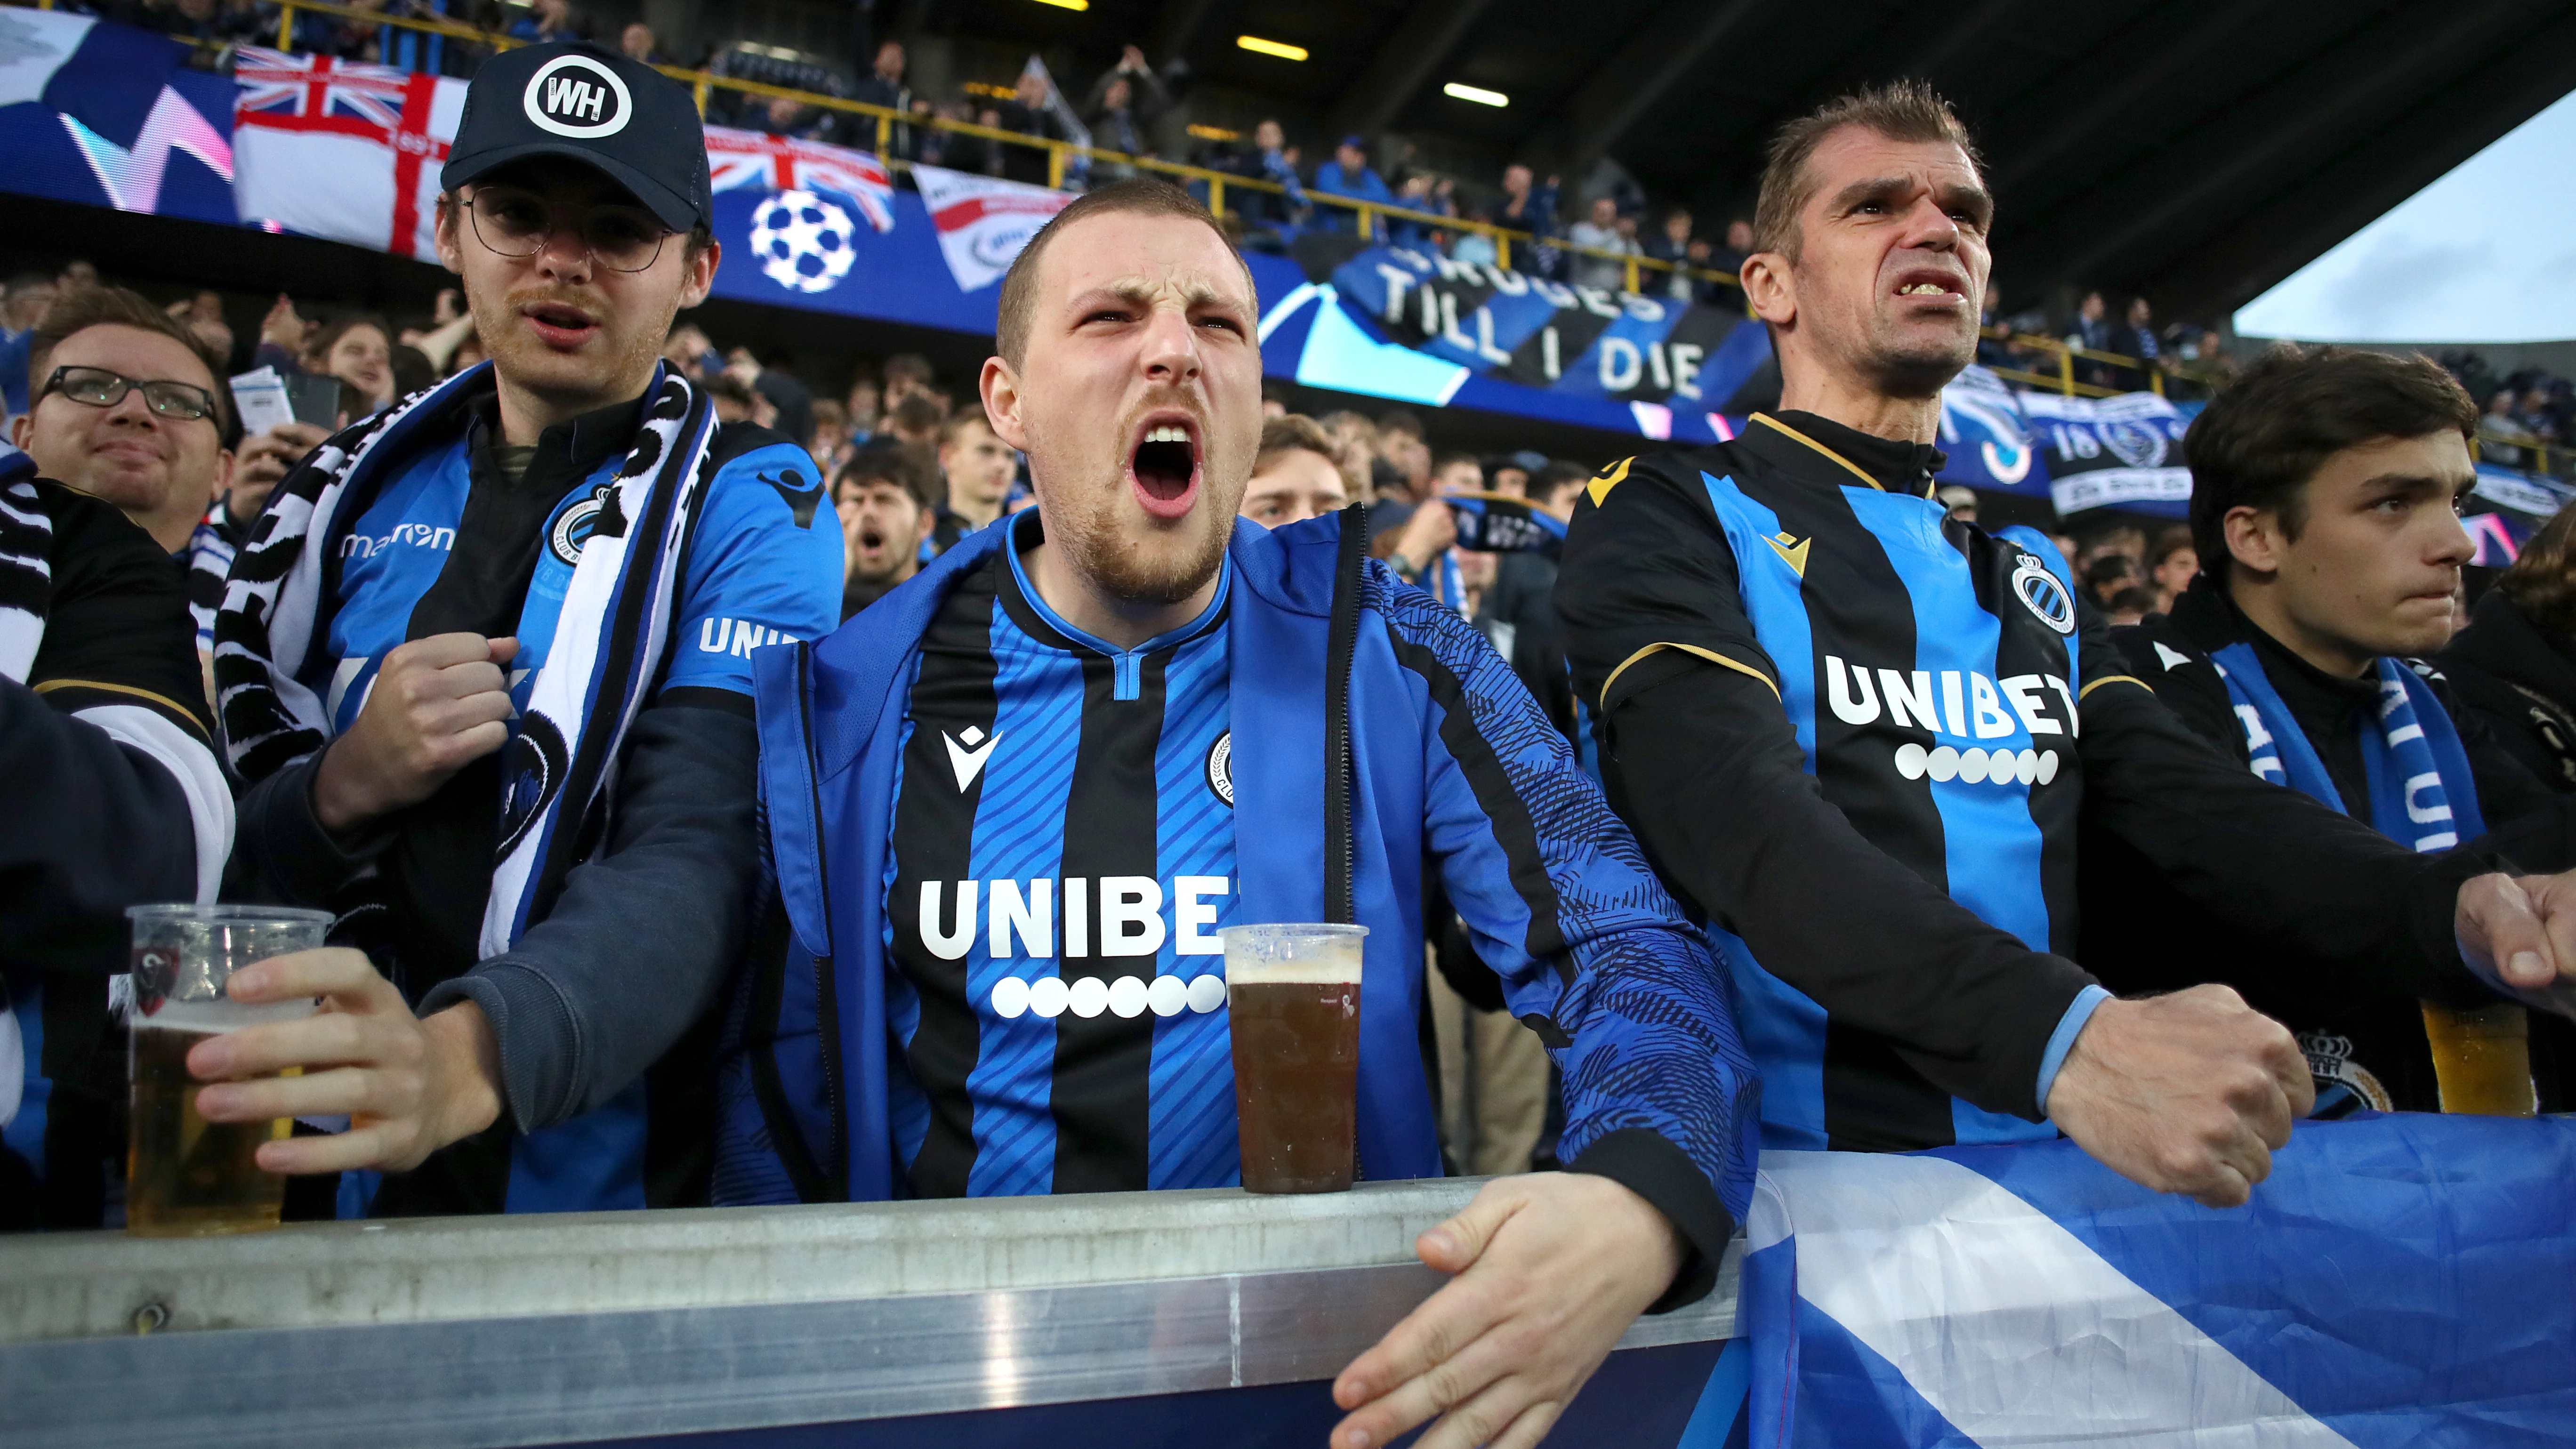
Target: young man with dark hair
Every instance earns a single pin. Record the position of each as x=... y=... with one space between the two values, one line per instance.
x=1861 y=737
x=486 y=666
x=975 y=470
x=2325 y=509
x=1294 y=477
x=906 y=374
x=914 y=422
x=1046 y=722
x=1457 y=473
x=1556 y=486
x=888 y=506
x=1401 y=442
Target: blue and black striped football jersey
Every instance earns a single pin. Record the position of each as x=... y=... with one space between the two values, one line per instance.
x=1931 y=674
x=1062 y=856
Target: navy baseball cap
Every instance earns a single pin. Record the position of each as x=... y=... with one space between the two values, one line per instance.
x=632 y=123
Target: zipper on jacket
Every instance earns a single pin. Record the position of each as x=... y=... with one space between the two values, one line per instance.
x=827 y=1006
x=1340 y=847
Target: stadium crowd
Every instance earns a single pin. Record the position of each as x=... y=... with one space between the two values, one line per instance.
x=1581 y=681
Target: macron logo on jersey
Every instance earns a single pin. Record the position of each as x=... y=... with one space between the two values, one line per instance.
x=404 y=535
x=968 y=759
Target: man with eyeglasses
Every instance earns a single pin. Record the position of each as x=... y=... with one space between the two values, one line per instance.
x=486 y=666
x=127 y=406
x=110 y=794
x=123 y=404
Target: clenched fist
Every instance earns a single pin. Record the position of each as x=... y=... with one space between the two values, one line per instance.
x=438 y=704
x=2188 y=1093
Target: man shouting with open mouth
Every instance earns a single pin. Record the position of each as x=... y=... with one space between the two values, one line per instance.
x=1011 y=806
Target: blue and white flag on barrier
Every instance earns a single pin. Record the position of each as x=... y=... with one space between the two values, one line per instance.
x=2112 y=452
x=2398 y=1280
x=1986 y=439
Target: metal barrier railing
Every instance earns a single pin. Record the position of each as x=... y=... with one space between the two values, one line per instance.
x=1368 y=217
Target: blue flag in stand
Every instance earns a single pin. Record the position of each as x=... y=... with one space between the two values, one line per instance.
x=2399 y=1280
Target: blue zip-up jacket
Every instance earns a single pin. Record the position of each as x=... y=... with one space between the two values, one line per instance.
x=1444 y=758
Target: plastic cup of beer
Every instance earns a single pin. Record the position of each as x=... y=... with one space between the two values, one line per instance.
x=2482 y=1059
x=186 y=1177
x=1293 y=1004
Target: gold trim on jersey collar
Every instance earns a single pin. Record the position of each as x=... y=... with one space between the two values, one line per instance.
x=1857 y=471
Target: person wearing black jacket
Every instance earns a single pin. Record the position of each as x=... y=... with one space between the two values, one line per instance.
x=2515 y=663
x=1859 y=736
x=2324 y=504
x=109 y=797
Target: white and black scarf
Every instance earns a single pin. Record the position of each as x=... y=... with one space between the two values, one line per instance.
x=26 y=564
x=615 y=627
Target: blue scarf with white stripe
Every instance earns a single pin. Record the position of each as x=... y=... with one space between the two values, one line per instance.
x=2421 y=792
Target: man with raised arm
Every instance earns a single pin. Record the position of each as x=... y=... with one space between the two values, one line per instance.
x=1858 y=735
x=1010 y=807
x=486 y=666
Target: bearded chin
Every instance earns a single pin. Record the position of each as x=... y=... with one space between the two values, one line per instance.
x=1178 y=565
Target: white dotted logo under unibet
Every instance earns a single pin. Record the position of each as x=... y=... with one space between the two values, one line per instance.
x=576 y=96
x=1976 y=766
x=1089 y=996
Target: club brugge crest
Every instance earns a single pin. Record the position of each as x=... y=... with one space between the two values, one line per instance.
x=2044 y=594
x=1220 y=768
x=578 y=96
x=572 y=529
x=532 y=771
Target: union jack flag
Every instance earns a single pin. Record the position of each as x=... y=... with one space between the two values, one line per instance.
x=278 y=83
x=350 y=152
x=781 y=163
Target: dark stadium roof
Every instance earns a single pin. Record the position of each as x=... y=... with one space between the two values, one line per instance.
x=2195 y=151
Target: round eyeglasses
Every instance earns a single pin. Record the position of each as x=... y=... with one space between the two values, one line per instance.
x=99 y=388
x=518 y=224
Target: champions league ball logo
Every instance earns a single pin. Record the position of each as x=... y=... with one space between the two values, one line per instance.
x=803 y=241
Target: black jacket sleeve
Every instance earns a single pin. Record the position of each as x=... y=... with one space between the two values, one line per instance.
x=638 y=946
x=285 y=847
x=88 y=826
x=1742 y=831
x=109 y=790
x=2335 y=899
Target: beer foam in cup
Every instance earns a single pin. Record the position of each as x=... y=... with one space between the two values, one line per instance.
x=214 y=1017
x=1292 y=956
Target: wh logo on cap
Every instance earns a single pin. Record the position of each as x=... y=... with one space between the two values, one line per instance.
x=577 y=96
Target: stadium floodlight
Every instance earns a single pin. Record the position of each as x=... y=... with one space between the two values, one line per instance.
x=1279 y=48
x=1478 y=94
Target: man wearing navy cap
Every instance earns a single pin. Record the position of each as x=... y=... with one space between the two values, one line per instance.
x=1349 y=174
x=486 y=668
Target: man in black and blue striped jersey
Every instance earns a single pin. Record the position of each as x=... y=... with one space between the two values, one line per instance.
x=1859 y=735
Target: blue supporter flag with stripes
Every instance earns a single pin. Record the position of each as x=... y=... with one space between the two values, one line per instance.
x=2398 y=1280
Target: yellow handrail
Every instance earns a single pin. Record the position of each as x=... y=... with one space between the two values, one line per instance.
x=2537 y=447
x=2065 y=381
x=1059 y=153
